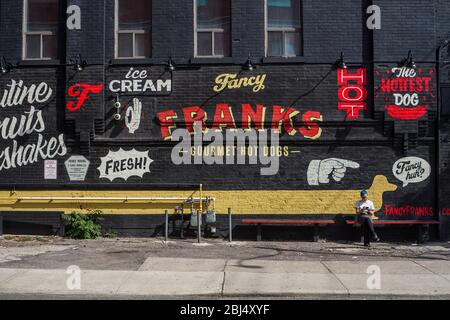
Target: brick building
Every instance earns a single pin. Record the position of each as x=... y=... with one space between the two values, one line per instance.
x=92 y=91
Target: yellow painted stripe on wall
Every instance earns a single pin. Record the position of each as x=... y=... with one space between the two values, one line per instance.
x=240 y=201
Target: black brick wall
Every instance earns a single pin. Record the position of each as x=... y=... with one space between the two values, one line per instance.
x=330 y=27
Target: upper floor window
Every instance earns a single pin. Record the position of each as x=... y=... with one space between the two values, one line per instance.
x=213 y=38
x=133 y=28
x=283 y=28
x=40 y=29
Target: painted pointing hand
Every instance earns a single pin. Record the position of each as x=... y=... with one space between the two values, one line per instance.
x=319 y=171
x=133 y=116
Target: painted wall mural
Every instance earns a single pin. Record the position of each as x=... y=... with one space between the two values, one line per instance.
x=282 y=119
x=352 y=92
x=133 y=116
x=231 y=81
x=17 y=93
x=317 y=173
x=408 y=211
x=137 y=82
x=408 y=93
x=331 y=201
x=23 y=131
x=123 y=164
x=411 y=170
x=81 y=92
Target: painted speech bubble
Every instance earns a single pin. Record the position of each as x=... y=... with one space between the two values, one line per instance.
x=124 y=164
x=411 y=170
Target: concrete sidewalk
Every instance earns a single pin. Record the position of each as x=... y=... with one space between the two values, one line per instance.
x=220 y=278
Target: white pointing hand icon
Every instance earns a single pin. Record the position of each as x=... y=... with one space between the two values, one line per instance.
x=319 y=171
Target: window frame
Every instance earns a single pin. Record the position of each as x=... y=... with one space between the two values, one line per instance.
x=212 y=31
x=133 y=32
x=283 y=31
x=26 y=33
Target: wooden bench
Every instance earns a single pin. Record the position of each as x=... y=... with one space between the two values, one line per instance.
x=423 y=225
x=269 y=222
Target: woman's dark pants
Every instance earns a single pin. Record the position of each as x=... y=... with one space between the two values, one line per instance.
x=367 y=228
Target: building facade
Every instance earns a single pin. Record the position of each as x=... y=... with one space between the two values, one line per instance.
x=92 y=94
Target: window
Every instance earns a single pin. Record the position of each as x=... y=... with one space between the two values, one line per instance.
x=283 y=28
x=133 y=28
x=40 y=28
x=213 y=37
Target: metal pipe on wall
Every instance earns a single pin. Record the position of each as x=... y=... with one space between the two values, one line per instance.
x=230 y=226
x=201 y=197
x=199 y=227
x=112 y=199
x=182 y=223
x=166 y=225
x=438 y=132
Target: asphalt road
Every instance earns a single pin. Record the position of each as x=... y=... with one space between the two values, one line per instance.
x=129 y=253
x=149 y=268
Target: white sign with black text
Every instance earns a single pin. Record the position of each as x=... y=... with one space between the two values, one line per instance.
x=77 y=168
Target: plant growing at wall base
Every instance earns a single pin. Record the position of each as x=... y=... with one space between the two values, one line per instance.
x=84 y=226
x=110 y=234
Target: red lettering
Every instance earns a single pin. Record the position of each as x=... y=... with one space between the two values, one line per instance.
x=311 y=129
x=252 y=117
x=192 y=115
x=283 y=118
x=387 y=209
x=352 y=105
x=390 y=210
x=360 y=94
x=223 y=118
x=249 y=115
x=386 y=85
x=352 y=109
x=344 y=77
x=427 y=84
x=166 y=122
x=81 y=92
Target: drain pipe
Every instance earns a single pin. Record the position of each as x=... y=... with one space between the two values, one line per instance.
x=166 y=226
x=201 y=197
x=230 y=226
x=438 y=131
